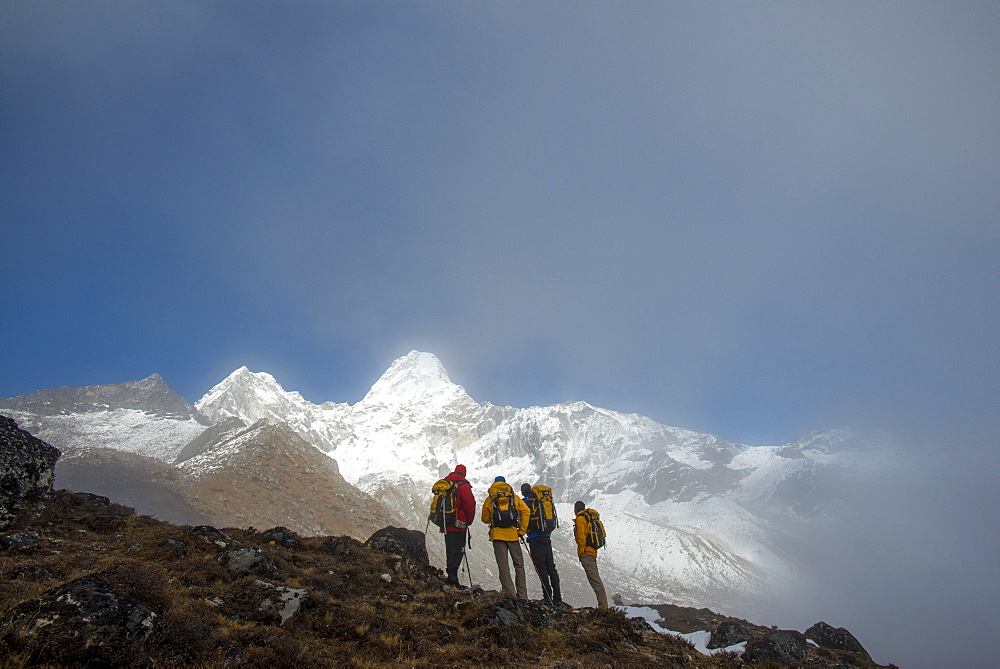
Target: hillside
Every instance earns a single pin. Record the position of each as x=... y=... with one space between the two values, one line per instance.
x=87 y=581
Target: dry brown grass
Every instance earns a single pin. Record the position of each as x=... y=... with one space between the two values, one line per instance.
x=209 y=616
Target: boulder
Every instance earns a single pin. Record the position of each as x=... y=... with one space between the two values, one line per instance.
x=498 y=616
x=281 y=599
x=248 y=561
x=90 y=499
x=21 y=540
x=92 y=600
x=835 y=638
x=408 y=544
x=336 y=546
x=730 y=633
x=27 y=468
x=640 y=624
x=781 y=646
x=177 y=547
x=282 y=536
x=217 y=537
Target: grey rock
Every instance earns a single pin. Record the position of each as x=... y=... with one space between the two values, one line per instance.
x=27 y=469
x=284 y=601
x=639 y=624
x=409 y=544
x=499 y=617
x=598 y=647
x=33 y=572
x=730 y=633
x=215 y=536
x=781 y=646
x=91 y=500
x=248 y=561
x=178 y=547
x=21 y=540
x=282 y=536
x=336 y=546
x=92 y=600
x=835 y=638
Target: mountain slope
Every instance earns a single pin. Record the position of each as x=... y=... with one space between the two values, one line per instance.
x=266 y=475
x=691 y=516
x=144 y=417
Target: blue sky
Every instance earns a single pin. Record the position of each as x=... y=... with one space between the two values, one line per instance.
x=751 y=219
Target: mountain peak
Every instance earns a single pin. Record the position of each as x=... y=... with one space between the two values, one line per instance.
x=413 y=377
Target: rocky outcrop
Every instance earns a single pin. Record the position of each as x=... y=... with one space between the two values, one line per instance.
x=410 y=545
x=730 y=633
x=21 y=541
x=781 y=646
x=836 y=638
x=27 y=468
x=282 y=536
x=245 y=561
x=92 y=600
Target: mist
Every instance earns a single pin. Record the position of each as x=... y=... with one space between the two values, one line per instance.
x=910 y=569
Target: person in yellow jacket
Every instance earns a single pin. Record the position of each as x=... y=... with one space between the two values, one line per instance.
x=507 y=517
x=588 y=553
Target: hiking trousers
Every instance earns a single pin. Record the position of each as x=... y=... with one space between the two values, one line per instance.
x=454 y=548
x=589 y=563
x=545 y=564
x=501 y=549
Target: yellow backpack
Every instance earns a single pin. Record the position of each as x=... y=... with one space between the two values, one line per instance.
x=443 y=511
x=543 y=518
x=596 y=536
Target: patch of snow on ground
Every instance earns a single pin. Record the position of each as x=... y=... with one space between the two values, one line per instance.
x=699 y=639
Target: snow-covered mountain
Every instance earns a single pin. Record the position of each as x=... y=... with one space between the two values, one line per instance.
x=144 y=417
x=692 y=518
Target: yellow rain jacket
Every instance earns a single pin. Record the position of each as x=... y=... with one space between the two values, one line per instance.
x=505 y=533
x=581 y=526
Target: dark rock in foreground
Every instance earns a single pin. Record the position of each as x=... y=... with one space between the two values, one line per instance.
x=836 y=638
x=92 y=600
x=781 y=646
x=409 y=544
x=27 y=468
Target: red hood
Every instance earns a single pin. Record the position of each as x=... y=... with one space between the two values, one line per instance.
x=456 y=477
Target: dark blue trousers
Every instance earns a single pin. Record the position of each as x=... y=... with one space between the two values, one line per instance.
x=541 y=554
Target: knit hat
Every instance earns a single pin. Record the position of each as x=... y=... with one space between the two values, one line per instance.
x=500 y=479
x=460 y=469
x=578 y=507
x=525 y=490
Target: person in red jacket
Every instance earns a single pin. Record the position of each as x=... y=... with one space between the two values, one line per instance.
x=455 y=538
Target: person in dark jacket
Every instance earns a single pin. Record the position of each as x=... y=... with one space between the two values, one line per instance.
x=540 y=549
x=456 y=537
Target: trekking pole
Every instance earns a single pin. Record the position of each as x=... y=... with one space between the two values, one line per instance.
x=468 y=569
x=537 y=572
